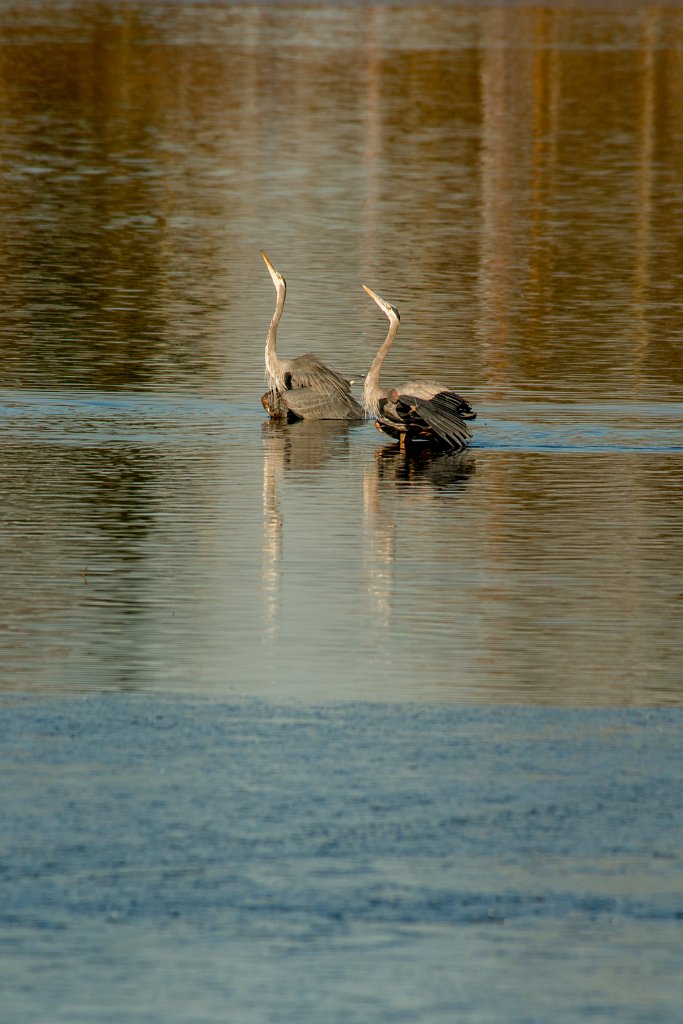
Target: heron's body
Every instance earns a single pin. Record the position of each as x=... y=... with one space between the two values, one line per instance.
x=420 y=410
x=303 y=387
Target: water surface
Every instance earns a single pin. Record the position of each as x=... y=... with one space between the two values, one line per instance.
x=508 y=177
x=213 y=860
x=168 y=542
x=260 y=752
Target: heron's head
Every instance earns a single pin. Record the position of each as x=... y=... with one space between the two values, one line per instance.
x=278 y=279
x=385 y=306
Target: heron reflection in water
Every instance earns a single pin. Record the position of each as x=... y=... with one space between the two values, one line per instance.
x=426 y=469
x=302 y=446
x=420 y=410
x=398 y=484
x=303 y=388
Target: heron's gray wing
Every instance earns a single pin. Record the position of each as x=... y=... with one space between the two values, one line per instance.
x=308 y=371
x=308 y=403
x=438 y=415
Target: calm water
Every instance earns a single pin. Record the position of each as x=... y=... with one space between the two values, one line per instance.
x=223 y=606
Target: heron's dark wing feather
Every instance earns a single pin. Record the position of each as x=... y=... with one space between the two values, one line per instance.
x=457 y=404
x=436 y=416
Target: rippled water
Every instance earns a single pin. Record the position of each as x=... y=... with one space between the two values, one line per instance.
x=240 y=778
x=212 y=860
x=163 y=541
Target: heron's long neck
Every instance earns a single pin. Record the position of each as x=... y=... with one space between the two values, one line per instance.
x=372 y=391
x=273 y=363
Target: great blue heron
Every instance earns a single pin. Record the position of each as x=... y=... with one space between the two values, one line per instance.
x=419 y=410
x=303 y=387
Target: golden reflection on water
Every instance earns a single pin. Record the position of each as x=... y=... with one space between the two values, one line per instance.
x=508 y=174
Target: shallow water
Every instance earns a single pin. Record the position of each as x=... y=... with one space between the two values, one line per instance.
x=261 y=752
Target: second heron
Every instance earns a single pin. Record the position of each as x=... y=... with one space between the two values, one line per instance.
x=420 y=410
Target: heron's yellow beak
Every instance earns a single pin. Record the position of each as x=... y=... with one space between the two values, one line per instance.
x=277 y=278
x=385 y=306
x=373 y=295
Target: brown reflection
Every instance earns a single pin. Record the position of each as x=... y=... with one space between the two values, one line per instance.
x=645 y=175
x=571 y=175
x=508 y=174
x=503 y=99
x=79 y=218
x=105 y=199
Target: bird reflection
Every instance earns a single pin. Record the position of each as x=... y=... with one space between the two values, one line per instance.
x=303 y=445
x=443 y=471
x=306 y=444
x=421 y=475
x=273 y=461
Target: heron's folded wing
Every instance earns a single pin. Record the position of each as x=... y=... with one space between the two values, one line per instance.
x=311 y=404
x=308 y=371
